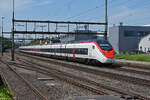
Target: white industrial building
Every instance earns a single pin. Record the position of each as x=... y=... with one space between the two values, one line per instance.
x=144 y=44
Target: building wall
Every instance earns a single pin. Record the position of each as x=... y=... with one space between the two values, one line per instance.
x=127 y=43
x=114 y=38
x=127 y=38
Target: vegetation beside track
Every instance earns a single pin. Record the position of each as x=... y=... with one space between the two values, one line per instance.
x=6 y=43
x=5 y=94
x=34 y=42
x=138 y=57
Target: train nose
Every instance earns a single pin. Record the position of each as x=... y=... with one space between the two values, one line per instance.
x=109 y=54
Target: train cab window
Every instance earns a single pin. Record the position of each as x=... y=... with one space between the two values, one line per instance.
x=104 y=45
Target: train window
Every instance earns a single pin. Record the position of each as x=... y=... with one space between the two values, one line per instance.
x=83 y=51
x=38 y=50
x=63 y=50
x=51 y=50
x=70 y=50
x=57 y=50
x=46 y=50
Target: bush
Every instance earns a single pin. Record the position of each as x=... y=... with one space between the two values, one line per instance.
x=5 y=94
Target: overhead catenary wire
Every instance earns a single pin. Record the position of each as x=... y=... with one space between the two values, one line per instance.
x=112 y=4
x=84 y=12
x=87 y=11
x=91 y=9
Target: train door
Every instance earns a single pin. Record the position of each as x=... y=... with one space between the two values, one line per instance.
x=94 y=51
x=66 y=54
x=54 y=51
x=74 y=56
x=60 y=50
x=90 y=51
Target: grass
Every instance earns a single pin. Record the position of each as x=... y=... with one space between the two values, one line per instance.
x=140 y=57
x=5 y=94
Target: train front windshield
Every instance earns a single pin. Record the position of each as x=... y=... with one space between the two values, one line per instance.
x=104 y=45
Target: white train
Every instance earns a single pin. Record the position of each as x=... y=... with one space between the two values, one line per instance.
x=91 y=51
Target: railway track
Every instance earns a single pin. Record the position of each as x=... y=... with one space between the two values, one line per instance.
x=119 y=77
x=25 y=85
x=131 y=71
x=58 y=72
x=146 y=67
x=113 y=67
x=60 y=76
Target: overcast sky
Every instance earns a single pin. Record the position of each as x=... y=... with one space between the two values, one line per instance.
x=130 y=12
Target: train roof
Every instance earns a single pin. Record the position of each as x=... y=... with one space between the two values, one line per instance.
x=94 y=40
x=82 y=41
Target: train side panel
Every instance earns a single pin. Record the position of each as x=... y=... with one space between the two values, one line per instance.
x=88 y=50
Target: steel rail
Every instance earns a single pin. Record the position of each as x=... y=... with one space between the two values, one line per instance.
x=99 y=92
x=140 y=66
x=131 y=71
x=71 y=81
x=115 y=76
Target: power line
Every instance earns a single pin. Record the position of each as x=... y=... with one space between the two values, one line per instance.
x=91 y=9
x=110 y=3
x=84 y=12
x=87 y=11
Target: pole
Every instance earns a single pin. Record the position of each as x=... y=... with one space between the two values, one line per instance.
x=12 y=48
x=106 y=19
x=2 y=37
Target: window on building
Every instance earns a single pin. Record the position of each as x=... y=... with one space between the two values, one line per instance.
x=130 y=33
x=146 y=33
x=143 y=33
